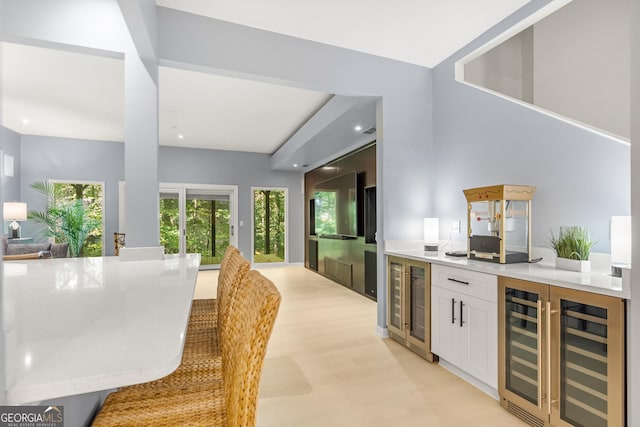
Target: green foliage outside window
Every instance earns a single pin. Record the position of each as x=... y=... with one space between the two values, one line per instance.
x=170 y=225
x=73 y=214
x=208 y=228
x=207 y=232
x=269 y=225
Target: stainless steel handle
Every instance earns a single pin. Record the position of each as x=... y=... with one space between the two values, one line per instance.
x=453 y=311
x=540 y=385
x=461 y=321
x=457 y=281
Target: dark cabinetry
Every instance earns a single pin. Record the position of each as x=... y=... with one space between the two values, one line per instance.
x=370 y=272
x=313 y=254
x=337 y=233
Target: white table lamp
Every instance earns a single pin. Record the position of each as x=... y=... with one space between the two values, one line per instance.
x=620 y=244
x=14 y=212
x=431 y=234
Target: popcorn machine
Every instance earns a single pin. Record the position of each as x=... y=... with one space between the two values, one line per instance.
x=499 y=223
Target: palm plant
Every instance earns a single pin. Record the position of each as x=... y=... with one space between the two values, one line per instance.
x=66 y=221
x=572 y=242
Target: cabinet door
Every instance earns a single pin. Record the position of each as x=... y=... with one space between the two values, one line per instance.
x=522 y=337
x=478 y=321
x=395 y=298
x=587 y=359
x=445 y=331
x=418 y=300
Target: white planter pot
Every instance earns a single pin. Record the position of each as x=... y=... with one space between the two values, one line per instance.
x=573 y=265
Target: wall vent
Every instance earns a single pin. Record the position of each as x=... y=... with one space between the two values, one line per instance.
x=338 y=271
x=525 y=416
x=369 y=131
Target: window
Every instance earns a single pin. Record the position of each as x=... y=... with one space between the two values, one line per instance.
x=198 y=219
x=269 y=225
x=91 y=194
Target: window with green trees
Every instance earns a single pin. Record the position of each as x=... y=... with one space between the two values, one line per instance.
x=170 y=223
x=206 y=222
x=91 y=196
x=269 y=213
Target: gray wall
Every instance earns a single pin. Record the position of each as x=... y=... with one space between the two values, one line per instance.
x=404 y=124
x=581 y=65
x=46 y=158
x=481 y=139
x=196 y=166
x=576 y=63
x=10 y=143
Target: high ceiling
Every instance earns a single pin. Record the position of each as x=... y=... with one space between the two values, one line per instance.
x=422 y=32
x=68 y=94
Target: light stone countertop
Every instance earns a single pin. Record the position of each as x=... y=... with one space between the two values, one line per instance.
x=597 y=281
x=80 y=325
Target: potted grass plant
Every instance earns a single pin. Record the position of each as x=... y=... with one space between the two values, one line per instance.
x=572 y=246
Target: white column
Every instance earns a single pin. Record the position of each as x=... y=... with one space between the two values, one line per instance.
x=142 y=226
x=3 y=365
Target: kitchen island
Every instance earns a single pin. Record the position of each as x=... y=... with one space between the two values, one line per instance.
x=80 y=325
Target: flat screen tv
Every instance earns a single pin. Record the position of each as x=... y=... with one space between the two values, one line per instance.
x=336 y=207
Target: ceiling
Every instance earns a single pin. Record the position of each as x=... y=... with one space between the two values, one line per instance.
x=423 y=32
x=75 y=95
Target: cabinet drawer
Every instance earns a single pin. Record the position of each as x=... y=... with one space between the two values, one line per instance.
x=467 y=282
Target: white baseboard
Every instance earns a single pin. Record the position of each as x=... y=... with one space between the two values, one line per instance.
x=382 y=332
x=470 y=379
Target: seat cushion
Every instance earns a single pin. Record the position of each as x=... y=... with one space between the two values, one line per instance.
x=27 y=248
x=60 y=250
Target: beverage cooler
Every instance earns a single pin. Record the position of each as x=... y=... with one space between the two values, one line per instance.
x=561 y=355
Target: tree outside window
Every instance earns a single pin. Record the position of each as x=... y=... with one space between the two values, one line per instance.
x=269 y=225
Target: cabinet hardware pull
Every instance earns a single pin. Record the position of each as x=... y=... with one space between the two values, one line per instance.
x=461 y=321
x=540 y=386
x=457 y=281
x=453 y=311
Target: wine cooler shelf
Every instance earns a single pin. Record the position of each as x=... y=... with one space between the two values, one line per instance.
x=561 y=355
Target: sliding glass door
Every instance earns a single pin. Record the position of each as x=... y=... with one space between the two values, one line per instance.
x=198 y=219
x=208 y=226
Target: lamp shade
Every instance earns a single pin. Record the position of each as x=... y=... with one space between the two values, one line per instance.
x=431 y=231
x=621 y=239
x=14 y=211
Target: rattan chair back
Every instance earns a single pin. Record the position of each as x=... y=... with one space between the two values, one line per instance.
x=249 y=328
x=233 y=269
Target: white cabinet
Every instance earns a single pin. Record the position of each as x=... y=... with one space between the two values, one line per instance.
x=464 y=321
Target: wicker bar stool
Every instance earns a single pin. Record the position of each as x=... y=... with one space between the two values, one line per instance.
x=229 y=402
x=233 y=269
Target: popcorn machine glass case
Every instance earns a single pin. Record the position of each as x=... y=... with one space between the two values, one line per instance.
x=499 y=223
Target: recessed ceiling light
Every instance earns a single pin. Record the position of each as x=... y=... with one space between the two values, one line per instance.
x=180 y=136
x=357 y=128
x=25 y=121
x=295 y=165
